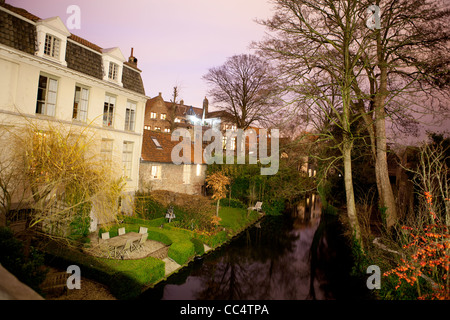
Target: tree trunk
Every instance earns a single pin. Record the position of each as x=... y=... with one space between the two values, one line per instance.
x=387 y=198
x=350 y=196
x=217 y=207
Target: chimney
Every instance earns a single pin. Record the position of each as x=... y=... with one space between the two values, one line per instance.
x=131 y=60
x=205 y=106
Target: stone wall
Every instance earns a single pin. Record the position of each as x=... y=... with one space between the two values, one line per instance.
x=172 y=178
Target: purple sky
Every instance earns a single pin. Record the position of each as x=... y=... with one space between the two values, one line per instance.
x=175 y=41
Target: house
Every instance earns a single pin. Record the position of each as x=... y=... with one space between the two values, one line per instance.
x=49 y=74
x=159 y=172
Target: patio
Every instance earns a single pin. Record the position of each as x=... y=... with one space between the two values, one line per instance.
x=149 y=248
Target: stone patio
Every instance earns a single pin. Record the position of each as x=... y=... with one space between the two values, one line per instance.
x=150 y=248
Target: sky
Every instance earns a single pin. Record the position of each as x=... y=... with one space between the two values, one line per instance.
x=176 y=42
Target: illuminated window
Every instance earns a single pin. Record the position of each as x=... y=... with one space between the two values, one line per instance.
x=152 y=115
x=156 y=172
x=163 y=116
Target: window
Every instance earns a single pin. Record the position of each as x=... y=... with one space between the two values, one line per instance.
x=80 y=104
x=113 y=73
x=106 y=150
x=46 y=98
x=147 y=127
x=156 y=142
x=152 y=115
x=186 y=174
x=127 y=158
x=177 y=120
x=130 y=116
x=52 y=46
x=163 y=116
x=108 y=111
x=157 y=128
x=167 y=130
x=156 y=172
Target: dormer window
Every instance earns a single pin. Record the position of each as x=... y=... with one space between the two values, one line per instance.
x=113 y=65
x=113 y=71
x=52 y=46
x=52 y=40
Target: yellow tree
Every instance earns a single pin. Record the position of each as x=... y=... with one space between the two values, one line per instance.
x=218 y=182
x=65 y=178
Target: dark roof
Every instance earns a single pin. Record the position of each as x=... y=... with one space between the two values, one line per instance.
x=21 y=35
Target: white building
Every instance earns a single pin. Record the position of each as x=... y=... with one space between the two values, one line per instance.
x=48 y=74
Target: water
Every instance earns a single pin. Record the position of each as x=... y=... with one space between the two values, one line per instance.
x=297 y=257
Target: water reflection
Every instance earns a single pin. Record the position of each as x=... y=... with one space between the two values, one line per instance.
x=283 y=259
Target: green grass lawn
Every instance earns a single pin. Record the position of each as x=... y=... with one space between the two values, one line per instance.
x=236 y=218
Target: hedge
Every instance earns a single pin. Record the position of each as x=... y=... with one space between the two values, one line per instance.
x=181 y=252
x=198 y=246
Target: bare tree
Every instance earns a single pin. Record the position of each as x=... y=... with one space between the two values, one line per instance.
x=314 y=45
x=173 y=108
x=378 y=72
x=244 y=87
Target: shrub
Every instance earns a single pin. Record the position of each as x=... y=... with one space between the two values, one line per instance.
x=233 y=203
x=160 y=237
x=29 y=269
x=181 y=252
x=148 y=207
x=273 y=208
x=198 y=246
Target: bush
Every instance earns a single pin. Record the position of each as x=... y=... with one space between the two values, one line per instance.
x=181 y=252
x=198 y=246
x=233 y=203
x=148 y=207
x=160 y=237
x=273 y=208
x=30 y=270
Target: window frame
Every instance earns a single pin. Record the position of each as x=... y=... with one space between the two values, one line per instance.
x=130 y=116
x=109 y=120
x=80 y=114
x=50 y=47
x=186 y=174
x=158 y=175
x=113 y=71
x=127 y=159
x=46 y=103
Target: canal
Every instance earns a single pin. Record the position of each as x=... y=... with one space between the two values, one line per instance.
x=299 y=256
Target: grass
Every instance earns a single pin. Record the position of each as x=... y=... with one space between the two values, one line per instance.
x=236 y=218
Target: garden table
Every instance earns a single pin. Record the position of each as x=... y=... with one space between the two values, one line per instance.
x=120 y=241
